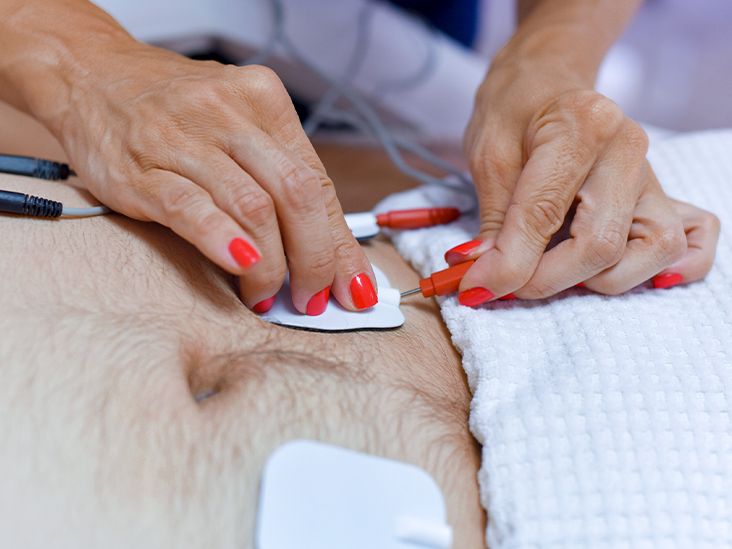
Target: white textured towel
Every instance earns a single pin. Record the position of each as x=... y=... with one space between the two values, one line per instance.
x=605 y=422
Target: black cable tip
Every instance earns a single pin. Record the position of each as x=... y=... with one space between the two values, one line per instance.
x=28 y=205
x=35 y=167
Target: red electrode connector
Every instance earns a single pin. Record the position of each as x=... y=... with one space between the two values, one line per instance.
x=444 y=282
x=417 y=218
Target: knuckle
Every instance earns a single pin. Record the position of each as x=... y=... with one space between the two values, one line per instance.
x=599 y=110
x=635 y=137
x=711 y=223
x=491 y=221
x=597 y=115
x=206 y=95
x=261 y=80
x=495 y=172
x=606 y=247
x=254 y=205
x=182 y=202
x=321 y=264
x=670 y=243
x=300 y=186
x=274 y=273
x=267 y=278
x=346 y=250
x=208 y=222
x=489 y=166
x=545 y=216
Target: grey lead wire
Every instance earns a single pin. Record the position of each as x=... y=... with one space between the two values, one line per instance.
x=423 y=73
x=278 y=30
x=354 y=65
x=85 y=212
x=422 y=152
x=371 y=118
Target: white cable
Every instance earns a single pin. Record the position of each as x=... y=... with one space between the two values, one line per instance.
x=85 y=212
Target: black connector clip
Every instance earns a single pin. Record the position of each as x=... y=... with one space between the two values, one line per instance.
x=25 y=204
x=34 y=167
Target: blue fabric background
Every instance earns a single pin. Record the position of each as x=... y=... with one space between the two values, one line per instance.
x=456 y=18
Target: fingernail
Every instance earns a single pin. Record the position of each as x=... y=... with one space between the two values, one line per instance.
x=264 y=306
x=579 y=285
x=474 y=297
x=243 y=253
x=317 y=304
x=362 y=292
x=507 y=297
x=461 y=252
x=667 y=280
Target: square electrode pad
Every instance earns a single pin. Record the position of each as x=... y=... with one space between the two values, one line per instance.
x=385 y=314
x=317 y=496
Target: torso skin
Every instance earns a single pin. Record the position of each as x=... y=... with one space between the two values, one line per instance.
x=111 y=328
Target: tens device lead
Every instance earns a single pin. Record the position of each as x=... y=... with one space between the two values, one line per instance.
x=442 y=282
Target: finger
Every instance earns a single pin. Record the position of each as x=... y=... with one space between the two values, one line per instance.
x=495 y=166
x=544 y=193
x=304 y=225
x=602 y=221
x=702 y=234
x=656 y=240
x=181 y=205
x=354 y=285
x=239 y=195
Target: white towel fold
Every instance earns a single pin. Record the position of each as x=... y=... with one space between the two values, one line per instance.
x=605 y=422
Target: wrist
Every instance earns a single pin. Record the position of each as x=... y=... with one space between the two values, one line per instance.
x=573 y=35
x=49 y=50
x=552 y=50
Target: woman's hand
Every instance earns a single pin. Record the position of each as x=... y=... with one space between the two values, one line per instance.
x=214 y=152
x=217 y=154
x=542 y=143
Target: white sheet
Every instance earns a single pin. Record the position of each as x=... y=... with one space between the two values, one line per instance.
x=605 y=422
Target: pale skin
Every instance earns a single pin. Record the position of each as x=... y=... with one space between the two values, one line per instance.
x=112 y=331
x=218 y=155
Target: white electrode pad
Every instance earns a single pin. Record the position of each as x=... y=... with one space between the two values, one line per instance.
x=385 y=314
x=317 y=496
x=363 y=225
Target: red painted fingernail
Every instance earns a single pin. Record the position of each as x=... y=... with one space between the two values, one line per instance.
x=362 y=292
x=474 y=297
x=243 y=253
x=317 y=304
x=667 y=280
x=264 y=306
x=507 y=297
x=461 y=252
x=579 y=285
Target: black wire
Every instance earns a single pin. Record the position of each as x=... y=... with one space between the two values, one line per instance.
x=35 y=167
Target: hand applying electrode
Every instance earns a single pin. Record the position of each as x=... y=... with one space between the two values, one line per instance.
x=542 y=143
x=701 y=229
x=214 y=152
